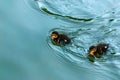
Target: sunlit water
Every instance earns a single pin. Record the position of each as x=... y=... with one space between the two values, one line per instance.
x=26 y=51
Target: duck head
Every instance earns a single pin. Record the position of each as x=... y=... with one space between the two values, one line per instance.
x=54 y=35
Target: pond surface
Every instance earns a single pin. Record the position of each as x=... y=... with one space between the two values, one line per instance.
x=26 y=51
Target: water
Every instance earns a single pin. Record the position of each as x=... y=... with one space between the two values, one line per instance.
x=26 y=52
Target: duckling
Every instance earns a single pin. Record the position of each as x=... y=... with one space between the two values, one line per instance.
x=60 y=39
x=97 y=51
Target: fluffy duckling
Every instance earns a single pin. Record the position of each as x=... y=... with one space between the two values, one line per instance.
x=97 y=51
x=60 y=39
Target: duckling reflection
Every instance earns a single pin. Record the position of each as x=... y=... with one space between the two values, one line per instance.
x=60 y=39
x=97 y=51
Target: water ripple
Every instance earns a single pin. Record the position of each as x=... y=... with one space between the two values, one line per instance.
x=103 y=26
x=85 y=36
x=81 y=10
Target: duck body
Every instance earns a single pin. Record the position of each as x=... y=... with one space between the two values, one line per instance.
x=98 y=50
x=60 y=39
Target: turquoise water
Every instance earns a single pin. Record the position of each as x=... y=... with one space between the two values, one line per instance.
x=26 y=52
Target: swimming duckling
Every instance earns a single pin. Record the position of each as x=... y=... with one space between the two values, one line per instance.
x=97 y=51
x=60 y=38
